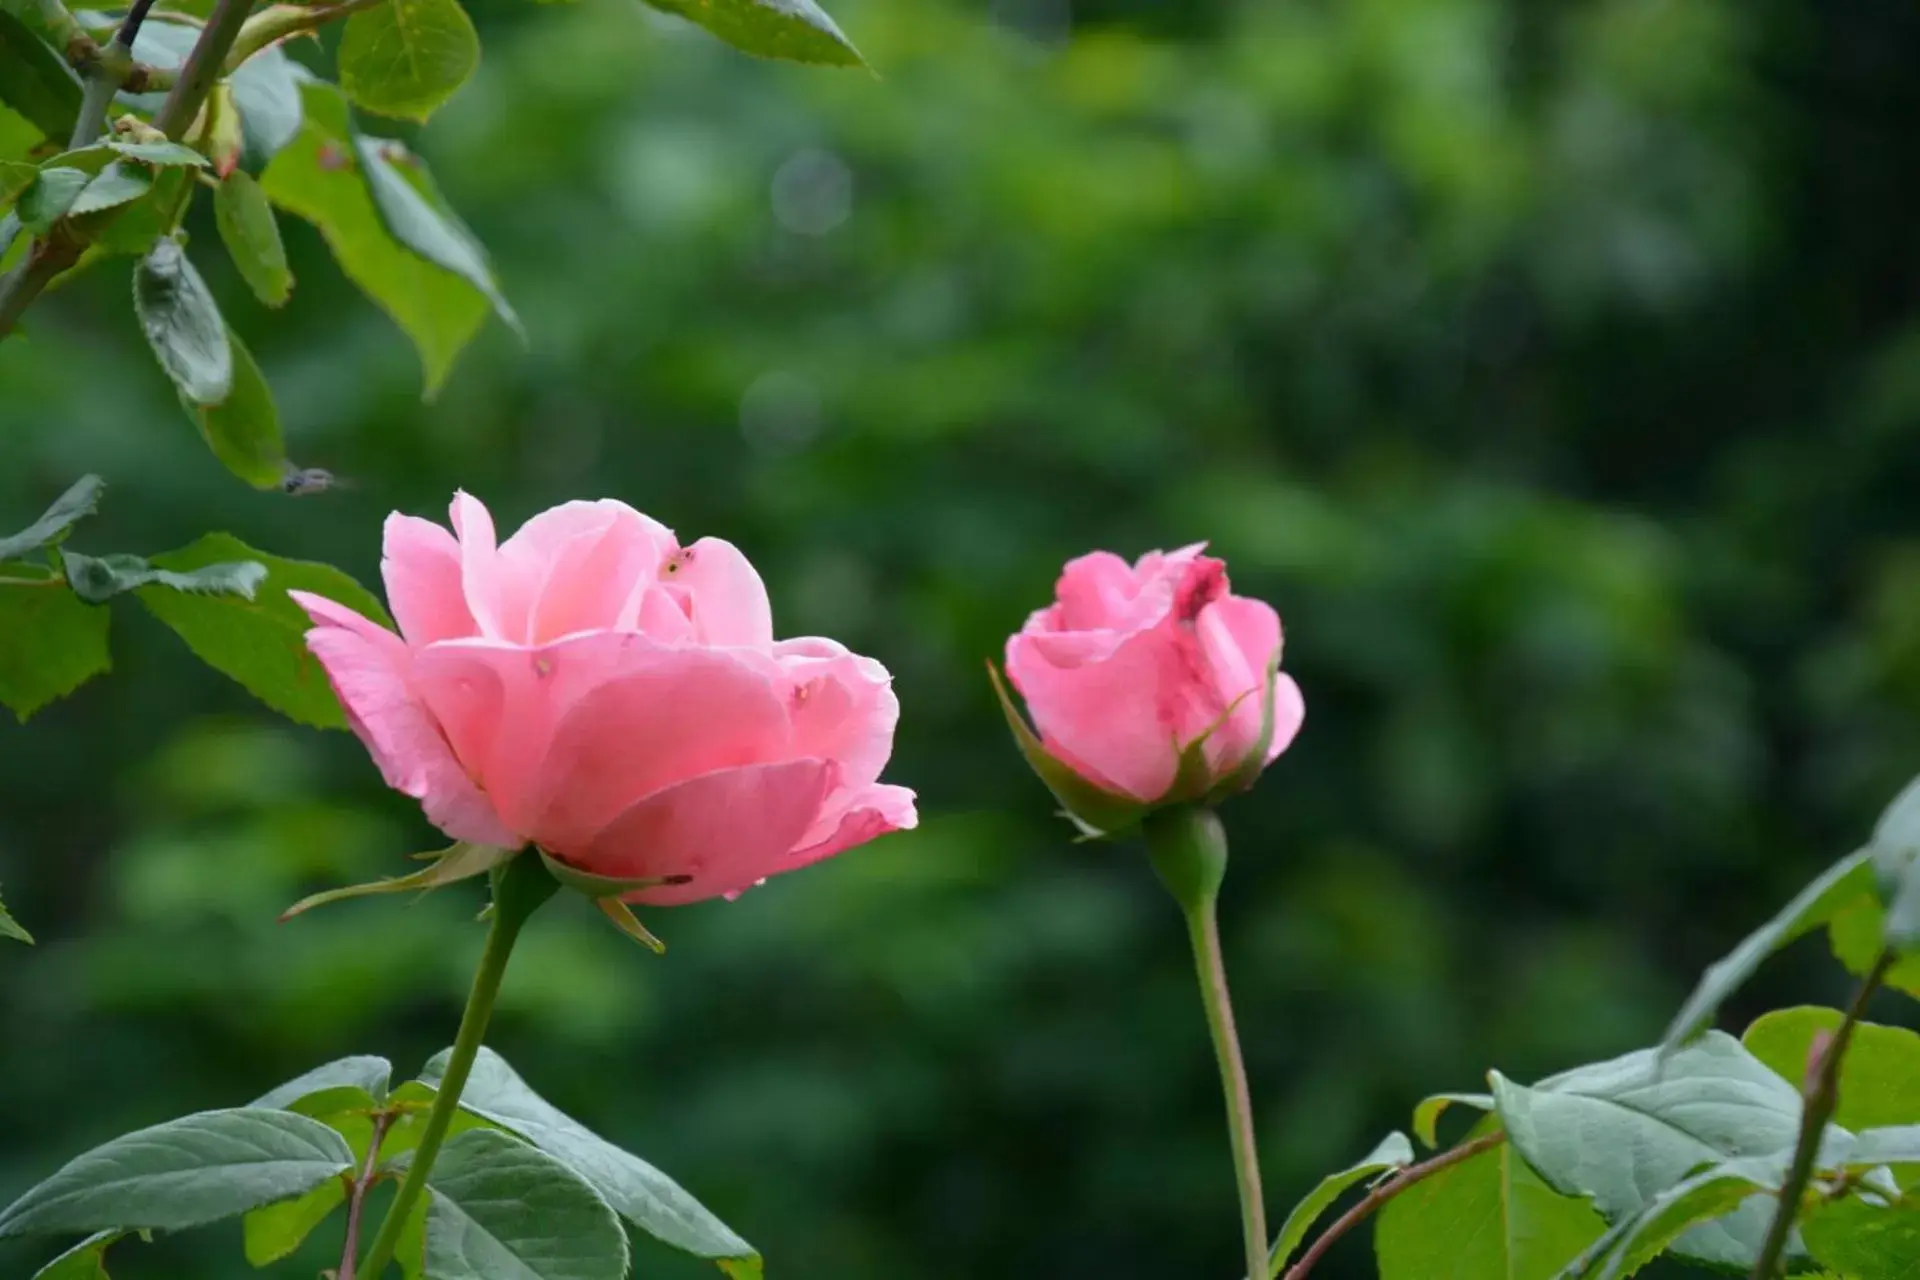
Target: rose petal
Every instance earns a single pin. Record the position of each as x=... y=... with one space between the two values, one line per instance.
x=727 y=830
x=1239 y=638
x=367 y=666
x=420 y=563
x=480 y=579
x=843 y=706
x=579 y=566
x=1289 y=713
x=1126 y=716
x=499 y=704
x=723 y=594
x=659 y=717
x=853 y=816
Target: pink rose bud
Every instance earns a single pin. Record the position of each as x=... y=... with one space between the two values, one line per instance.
x=592 y=687
x=1150 y=685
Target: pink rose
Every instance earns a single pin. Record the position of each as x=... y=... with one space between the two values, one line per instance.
x=1150 y=682
x=594 y=688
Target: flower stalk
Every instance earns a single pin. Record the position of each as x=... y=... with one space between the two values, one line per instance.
x=519 y=888
x=1188 y=847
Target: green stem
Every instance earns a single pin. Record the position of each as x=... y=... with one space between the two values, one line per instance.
x=1822 y=1097
x=1189 y=852
x=202 y=67
x=1204 y=930
x=519 y=887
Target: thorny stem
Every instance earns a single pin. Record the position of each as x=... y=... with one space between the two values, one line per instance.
x=106 y=74
x=1381 y=1194
x=357 y=1197
x=1822 y=1096
x=203 y=66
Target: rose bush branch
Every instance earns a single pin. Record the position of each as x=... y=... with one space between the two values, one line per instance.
x=55 y=254
x=106 y=75
x=357 y=1197
x=1822 y=1097
x=1375 y=1199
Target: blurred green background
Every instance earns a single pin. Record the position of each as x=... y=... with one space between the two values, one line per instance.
x=1554 y=369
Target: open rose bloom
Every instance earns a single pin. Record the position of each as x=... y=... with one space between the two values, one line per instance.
x=594 y=688
x=1150 y=684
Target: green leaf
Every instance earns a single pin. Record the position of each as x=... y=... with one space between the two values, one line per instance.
x=35 y=80
x=261 y=643
x=1896 y=855
x=1878 y=1075
x=1710 y=1194
x=85 y=1261
x=1095 y=811
x=273 y=1231
x=461 y=862
x=793 y=30
x=10 y=928
x=407 y=57
x=119 y=183
x=51 y=643
x=1426 y=1116
x=76 y=504
x=501 y=1210
x=244 y=217
x=1857 y=934
x=133 y=230
x=637 y=1191
x=1866 y=1241
x=419 y=217
x=1620 y=1132
x=1835 y=888
x=266 y=88
x=183 y=325
x=318 y=178
x=1871 y=1148
x=15 y=177
x=1488 y=1216
x=409 y=1106
x=243 y=431
x=49 y=196
x=161 y=153
x=365 y=1072
x=183 y=1173
x=98 y=579
x=1393 y=1152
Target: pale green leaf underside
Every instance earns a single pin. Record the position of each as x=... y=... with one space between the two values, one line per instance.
x=635 y=1189
x=502 y=1210
x=183 y=1173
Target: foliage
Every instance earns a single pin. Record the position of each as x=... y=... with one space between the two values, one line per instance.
x=1548 y=367
x=521 y=1194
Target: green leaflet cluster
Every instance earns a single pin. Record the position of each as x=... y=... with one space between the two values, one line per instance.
x=225 y=599
x=521 y=1189
x=1682 y=1150
x=273 y=137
